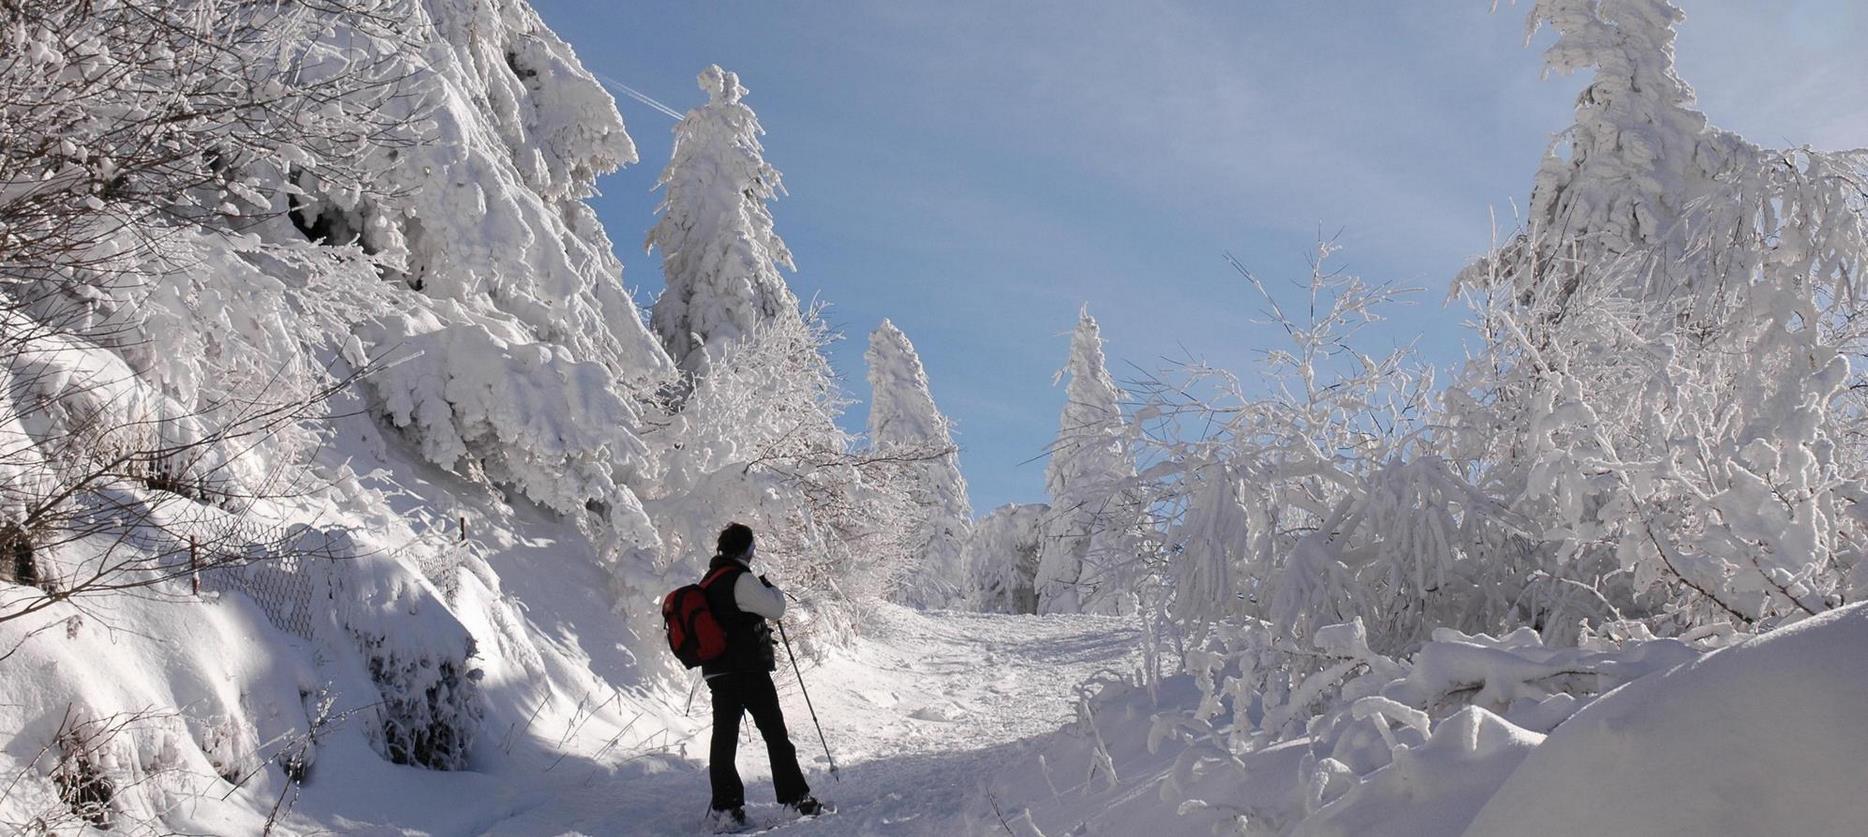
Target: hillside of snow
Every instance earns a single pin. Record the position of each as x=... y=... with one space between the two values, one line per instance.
x=444 y=561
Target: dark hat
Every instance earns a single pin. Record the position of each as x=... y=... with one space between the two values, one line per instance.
x=735 y=540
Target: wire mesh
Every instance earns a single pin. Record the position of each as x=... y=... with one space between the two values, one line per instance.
x=273 y=565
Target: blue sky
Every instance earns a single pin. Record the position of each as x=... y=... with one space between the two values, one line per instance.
x=976 y=170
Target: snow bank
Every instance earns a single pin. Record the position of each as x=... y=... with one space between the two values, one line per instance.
x=1483 y=736
x=1432 y=788
x=1761 y=738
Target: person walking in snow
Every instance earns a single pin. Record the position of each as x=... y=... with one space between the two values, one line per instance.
x=740 y=680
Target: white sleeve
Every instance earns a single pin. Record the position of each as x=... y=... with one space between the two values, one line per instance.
x=753 y=596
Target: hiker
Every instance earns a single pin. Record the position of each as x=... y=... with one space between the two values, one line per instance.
x=740 y=680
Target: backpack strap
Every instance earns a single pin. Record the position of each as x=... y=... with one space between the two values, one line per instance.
x=715 y=576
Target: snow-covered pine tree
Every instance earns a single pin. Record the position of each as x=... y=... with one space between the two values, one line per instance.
x=905 y=424
x=1001 y=559
x=720 y=255
x=1090 y=463
x=1637 y=156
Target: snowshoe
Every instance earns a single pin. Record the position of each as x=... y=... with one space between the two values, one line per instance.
x=727 y=820
x=810 y=807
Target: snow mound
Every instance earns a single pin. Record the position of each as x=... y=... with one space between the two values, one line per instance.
x=1433 y=788
x=1761 y=738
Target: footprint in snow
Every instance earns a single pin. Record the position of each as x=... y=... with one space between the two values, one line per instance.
x=937 y=713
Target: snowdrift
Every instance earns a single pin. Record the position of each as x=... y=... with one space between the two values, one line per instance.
x=1761 y=738
x=1758 y=738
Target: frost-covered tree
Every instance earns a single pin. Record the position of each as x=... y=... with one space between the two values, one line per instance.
x=757 y=440
x=1674 y=282
x=905 y=424
x=1641 y=182
x=514 y=356
x=1001 y=559
x=720 y=255
x=1089 y=466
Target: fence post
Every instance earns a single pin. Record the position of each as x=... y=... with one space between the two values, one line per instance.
x=463 y=528
x=194 y=564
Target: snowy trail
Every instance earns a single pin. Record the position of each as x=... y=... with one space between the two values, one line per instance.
x=918 y=713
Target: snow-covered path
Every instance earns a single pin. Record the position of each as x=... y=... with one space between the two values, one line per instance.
x=919 y=713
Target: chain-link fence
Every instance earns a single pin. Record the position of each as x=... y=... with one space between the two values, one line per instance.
x=274 y=565
x=447 y=549
x=281 y=588
x=277 y=567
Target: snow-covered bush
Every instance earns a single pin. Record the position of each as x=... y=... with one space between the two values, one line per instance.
x=909 y=436
x=1327 y=499
x=1452 y=718
x=1703 y=477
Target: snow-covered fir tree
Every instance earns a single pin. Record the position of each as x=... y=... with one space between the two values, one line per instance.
x=720 y=255
x=905 y=424
x=1089 y=465
x=1001 y=559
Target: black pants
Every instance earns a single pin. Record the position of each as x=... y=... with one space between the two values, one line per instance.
x=750 y=692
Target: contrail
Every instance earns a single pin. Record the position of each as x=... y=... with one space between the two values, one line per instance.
x=639 y=96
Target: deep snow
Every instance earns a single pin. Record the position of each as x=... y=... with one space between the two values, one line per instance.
x=1760 y=738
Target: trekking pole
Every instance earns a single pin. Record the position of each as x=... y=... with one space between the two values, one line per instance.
x=693 y=687
x=807 y=701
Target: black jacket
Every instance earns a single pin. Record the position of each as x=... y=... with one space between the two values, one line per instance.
x=749 y=645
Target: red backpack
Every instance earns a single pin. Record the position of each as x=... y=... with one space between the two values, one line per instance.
x=693 y=633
